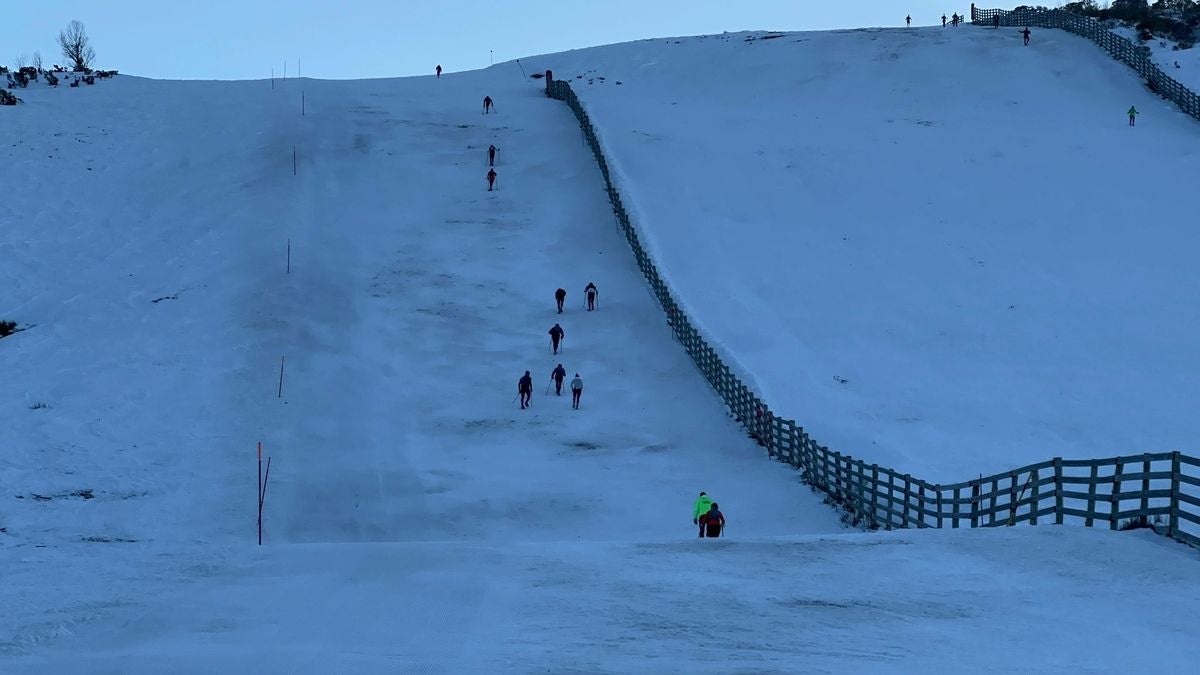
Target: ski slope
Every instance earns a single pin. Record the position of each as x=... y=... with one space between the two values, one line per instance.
x=416 y=519
x=936 y=249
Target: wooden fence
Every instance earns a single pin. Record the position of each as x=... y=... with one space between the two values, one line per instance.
x=1167 y=484
x=1136 y=56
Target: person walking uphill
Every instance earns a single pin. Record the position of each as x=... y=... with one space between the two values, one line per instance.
x=908 y=20
x=525 y=390
x=558 y=375
x=712 y=522
x=1025 y=33
x=438 y=70
x=491 y=176
x=556 y=336
x=576 y=391
x=492 y=155
x=590 y=292
x=559 y=296
x=487 y=104
x=701 y=507
x=1133 y=113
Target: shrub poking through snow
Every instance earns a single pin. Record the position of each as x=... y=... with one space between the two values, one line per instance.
x=6 y=98
x=7 y=328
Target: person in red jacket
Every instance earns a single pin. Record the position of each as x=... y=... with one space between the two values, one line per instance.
x=712 y=523
x=491 y=179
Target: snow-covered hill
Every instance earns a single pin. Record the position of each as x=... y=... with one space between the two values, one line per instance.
x=936 y=249
x=415 y=518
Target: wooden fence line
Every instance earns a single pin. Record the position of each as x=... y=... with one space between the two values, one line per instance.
x=1122 y=49
x=873 y=496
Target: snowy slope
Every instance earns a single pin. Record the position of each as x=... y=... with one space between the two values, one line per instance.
x=936 y=249
x=150 y=255
x=1181 y=64
x=416 y=519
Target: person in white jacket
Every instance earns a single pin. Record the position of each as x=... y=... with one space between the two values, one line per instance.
x=576 y=391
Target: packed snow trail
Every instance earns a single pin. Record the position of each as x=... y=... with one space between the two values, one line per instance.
x=415 y=299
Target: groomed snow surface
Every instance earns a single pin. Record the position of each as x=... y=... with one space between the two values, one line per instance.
x=416 y=520
x=935 y=249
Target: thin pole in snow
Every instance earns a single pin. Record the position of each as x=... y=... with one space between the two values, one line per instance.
x=297 y=66
x=289 y=256
x=293 y=160
x=491 y=58
x=260 y=493
x=281 y=377
x=302 y=104
x=272 y=78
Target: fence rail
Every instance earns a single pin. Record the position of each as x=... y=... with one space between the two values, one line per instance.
x=1163 y=486
x=1122 y=49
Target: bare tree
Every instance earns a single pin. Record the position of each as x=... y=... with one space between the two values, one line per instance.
x=37 y=61
x=21 y=61
x=76 y=47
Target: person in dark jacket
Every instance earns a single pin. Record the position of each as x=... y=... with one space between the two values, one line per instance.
x=525 y=390
x=558 y=375
x=943 y=21
x=712 y=522
x=996 y=21
x=908 y=20
x=559 y=296
x=438 y=70
x=590 y=291
x=1026 y=34
x=487 y=104
x=492 y=155
x=491 y=176
x=556 y=336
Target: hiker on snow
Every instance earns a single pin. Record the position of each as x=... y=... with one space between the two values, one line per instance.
x=1133 y=113
x=908 y=20
x=558 y=375
x=590 y=292
x=712 y=522
x=491 y=179
x=576 y=391
x=559 y=296
x=438 y=70
x=525 y=390
x=492 y=155
x=487 y=104
x=996 y=21
x=1026 y=34
x=954 y=19
x=943 y=21
x=556 y=336
x=701 y=507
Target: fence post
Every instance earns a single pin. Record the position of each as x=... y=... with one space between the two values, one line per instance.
x=975 y=502
x=891 y=497
x=875 y=491
x=1145 y=485
x=1035 y=501
x=1115 y=497
x=907 y=497
x=1093 y=478
x=938 y=490
x=995 y=492
x=1058 y=491
x=1173 y=518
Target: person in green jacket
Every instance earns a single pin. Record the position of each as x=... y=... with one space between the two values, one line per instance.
x=703 y=504
x=1133 y=113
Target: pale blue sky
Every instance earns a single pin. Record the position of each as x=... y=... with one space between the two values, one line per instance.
x=227 y=39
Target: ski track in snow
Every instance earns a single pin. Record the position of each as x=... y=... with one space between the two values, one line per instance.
x=416 y=520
